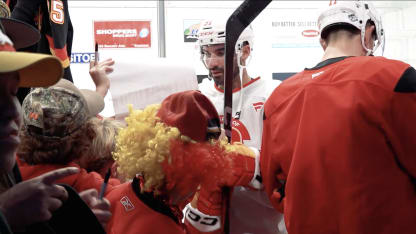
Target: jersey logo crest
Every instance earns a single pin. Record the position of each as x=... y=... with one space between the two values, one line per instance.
x=125 y=201
x=258 y=105
x=239 y=132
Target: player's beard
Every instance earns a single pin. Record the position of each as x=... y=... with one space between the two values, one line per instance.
x=219 y=81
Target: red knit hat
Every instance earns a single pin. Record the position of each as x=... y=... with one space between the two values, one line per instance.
x=192 y=113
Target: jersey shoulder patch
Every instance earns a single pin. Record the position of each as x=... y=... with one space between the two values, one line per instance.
x=407 y=82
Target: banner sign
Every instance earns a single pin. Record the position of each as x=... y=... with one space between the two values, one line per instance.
x=190 y=30
x=82 y=57
x=122 y=34
x=293 y=31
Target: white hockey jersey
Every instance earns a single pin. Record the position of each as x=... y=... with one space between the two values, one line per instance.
x=246 y=129
x=251 y=211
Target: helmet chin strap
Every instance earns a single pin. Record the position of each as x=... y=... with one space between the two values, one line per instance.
x=369 y=52
x=241 y=68
x=239 y=55
x=240 y=102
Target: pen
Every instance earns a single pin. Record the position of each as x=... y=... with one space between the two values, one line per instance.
x=97 y=56
x=104 y=185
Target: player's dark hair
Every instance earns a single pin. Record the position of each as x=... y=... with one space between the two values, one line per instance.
x=333 y=29
x=339 y=27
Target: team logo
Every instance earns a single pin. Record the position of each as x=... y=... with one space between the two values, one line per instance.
x=125 y=201
x=258 y=105
x=353 y=17
x=239 y=132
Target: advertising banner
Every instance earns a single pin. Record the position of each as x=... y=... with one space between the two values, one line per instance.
x=190 y=29
x=296 y=33
x=295 y=29
x=122 y=34
x=85 y=57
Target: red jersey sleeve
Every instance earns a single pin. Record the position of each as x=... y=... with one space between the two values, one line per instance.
x=403 y=117
x=271 y=170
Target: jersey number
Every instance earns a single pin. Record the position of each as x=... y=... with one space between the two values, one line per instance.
x=57 y=12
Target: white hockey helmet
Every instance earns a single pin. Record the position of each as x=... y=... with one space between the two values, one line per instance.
x=356 y=13
x=212 y=32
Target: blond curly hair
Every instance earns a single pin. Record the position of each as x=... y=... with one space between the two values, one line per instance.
x=143 y=146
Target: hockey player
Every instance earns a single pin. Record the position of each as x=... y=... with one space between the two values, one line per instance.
x=169 y=150
x=52 y=19
x=250 y=211
x=338 y=152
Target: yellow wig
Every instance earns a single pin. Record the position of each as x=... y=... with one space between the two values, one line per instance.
x=143 y=145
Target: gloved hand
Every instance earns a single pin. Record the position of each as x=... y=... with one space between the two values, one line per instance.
x=243 y=169
x=241 y=173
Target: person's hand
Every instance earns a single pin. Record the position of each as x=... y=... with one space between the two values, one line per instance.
x=278 y=200
x=34 y=200
x=222 y=136
x=240 y=173
x=100 y=207
x=204 y=213
x=239 y=168
x=98 y=73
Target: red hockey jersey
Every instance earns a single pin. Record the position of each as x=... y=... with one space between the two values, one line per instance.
x=341 y=140
x=81 y=181
x=135 y=212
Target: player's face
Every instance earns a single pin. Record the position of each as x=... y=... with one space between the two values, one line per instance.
x=10 y=119
x=213 y=57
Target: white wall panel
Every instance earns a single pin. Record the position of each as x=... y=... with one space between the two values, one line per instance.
x=399 y=18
